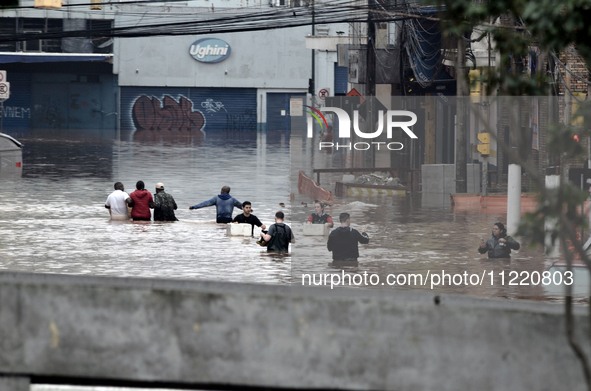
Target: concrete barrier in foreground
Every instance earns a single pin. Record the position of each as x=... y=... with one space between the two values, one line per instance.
x=192 y=334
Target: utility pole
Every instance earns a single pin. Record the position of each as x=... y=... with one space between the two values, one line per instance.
x=312 y=84
x=371 y=73
x=461 y=108
x=486 y=93
x=371 y=53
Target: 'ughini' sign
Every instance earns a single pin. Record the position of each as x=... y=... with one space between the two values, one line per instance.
x=210 y=50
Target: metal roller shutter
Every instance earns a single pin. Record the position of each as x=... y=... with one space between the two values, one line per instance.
x=233 y=109
x=142 y=108
x=17 y=108
x=169 y=108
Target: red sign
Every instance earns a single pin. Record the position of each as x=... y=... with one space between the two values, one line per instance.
x=354 y=92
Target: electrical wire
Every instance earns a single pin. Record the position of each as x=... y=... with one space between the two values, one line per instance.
x=570 y=71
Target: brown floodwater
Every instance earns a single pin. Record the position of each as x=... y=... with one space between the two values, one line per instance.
x=53 y=220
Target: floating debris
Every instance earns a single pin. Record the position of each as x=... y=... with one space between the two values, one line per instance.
x=377 y=178
x=359 y=204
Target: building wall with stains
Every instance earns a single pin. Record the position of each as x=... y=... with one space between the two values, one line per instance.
x=164 y=87
x=61 y=95
x=258 y=59
x=72 y=101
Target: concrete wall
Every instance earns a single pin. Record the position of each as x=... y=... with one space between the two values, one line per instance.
x=441 y=178
x=208 y=333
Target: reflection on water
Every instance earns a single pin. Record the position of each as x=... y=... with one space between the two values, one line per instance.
x=417 y=234
x=406 y=238
x=53 y=219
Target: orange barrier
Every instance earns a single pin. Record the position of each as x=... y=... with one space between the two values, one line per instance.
x=311 y=189
x=465 y=201
x=492 y=203
x=528 y=203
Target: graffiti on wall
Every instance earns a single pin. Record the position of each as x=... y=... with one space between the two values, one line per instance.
x=77 y=103
x=17 y=112
x=49 y=112
x=242 y=122
x=212 y=106
x=154 y=119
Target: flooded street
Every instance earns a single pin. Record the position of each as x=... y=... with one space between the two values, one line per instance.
x=416 y=234
x=53 y=220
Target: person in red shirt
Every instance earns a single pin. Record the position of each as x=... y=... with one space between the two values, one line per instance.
x=319 y=217
x=141 y=199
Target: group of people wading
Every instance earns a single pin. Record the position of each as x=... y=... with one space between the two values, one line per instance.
x=343 y=242
x=140 y=202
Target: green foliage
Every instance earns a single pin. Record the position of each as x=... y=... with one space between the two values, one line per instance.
x=561 y=140
x=565 y=200
x=557 y=24
x=550 y=26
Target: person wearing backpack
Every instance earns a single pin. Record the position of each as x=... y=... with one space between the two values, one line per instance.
x=279 y=234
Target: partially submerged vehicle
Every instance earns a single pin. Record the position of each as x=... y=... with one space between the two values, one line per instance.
x=11 y=157
x=580 y=279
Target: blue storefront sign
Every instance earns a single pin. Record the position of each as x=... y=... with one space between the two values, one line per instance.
x=210 y=50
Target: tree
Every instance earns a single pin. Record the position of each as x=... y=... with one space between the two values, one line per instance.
x=552 y=26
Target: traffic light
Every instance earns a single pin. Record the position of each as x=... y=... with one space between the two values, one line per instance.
x=311 y=86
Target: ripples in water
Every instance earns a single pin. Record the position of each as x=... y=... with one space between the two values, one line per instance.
x=53 y=220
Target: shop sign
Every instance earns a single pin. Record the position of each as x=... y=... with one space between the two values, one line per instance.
x=210 y=50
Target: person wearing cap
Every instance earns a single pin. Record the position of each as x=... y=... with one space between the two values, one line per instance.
x=163 y=205
x=224 y=204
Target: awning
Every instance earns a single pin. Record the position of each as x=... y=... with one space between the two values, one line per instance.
x=6 y=57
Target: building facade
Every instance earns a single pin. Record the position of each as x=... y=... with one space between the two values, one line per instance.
x=140 y=88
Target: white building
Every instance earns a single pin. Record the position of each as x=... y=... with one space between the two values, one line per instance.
x=135 y=86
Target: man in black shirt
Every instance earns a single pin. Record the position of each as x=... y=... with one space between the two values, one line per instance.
x=247 y=218
x=279 y=235
x=344 y=241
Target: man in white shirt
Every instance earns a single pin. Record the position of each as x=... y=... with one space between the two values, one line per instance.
x=117 y=203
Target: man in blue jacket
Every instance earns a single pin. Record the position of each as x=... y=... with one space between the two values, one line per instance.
x=224 y=204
